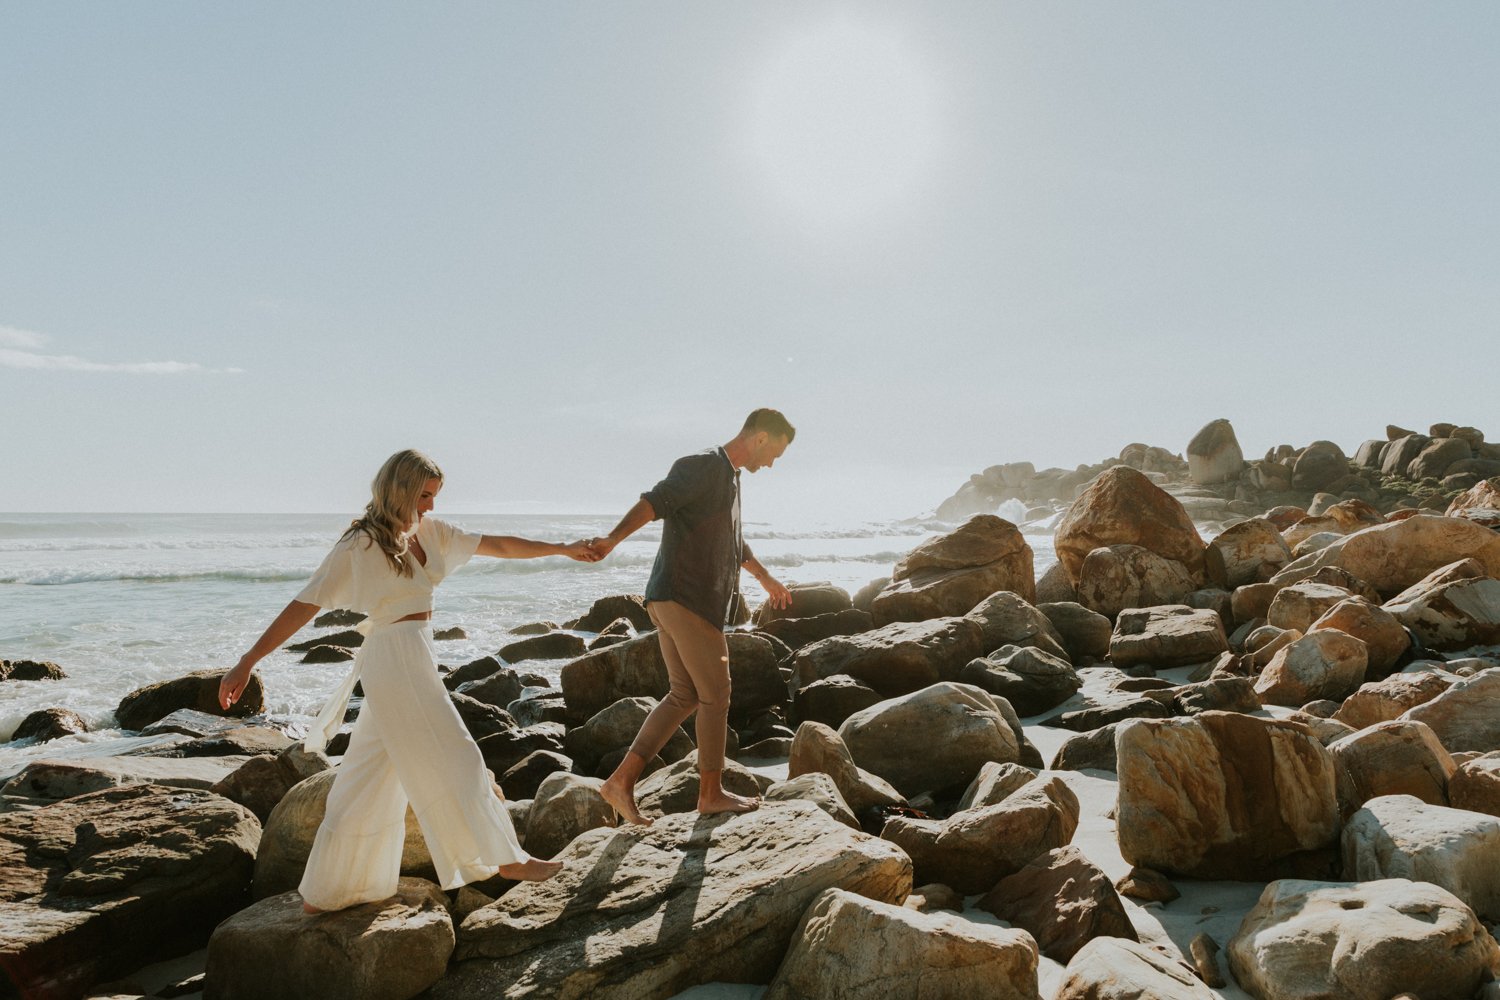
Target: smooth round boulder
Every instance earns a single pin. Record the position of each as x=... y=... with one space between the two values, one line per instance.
x=1116 y=577
x=1245 y=553
x=1324 y=664
x=1124 y=507
x=388 y=950
x=1386 y=639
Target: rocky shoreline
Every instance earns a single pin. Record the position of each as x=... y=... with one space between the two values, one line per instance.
x=1251 y=710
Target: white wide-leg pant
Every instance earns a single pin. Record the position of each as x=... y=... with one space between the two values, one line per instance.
x=409 y=745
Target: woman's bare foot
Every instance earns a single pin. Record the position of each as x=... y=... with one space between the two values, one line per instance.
x=535 y=870
x=726 y=802
x=622 y=801
x=310 y=909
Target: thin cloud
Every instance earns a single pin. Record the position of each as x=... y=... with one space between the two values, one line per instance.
x=22 y=349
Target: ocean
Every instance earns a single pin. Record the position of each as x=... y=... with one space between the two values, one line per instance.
x=123 y=600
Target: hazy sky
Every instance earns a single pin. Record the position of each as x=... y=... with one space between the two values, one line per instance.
x=247 y=250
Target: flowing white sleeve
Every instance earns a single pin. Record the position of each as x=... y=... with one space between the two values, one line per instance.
x=458 y=545
x=332 y=585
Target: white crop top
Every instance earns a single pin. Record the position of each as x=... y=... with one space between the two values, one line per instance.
x=356 y=575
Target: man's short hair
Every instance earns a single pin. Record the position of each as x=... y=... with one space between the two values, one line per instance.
x=771 y=421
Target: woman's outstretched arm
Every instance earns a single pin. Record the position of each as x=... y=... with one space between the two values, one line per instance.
x=512 y=547
x=292 y=617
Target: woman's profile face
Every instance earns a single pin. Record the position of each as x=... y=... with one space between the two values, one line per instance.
x=427 y=498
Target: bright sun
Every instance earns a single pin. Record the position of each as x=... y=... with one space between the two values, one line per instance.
x=844 y=120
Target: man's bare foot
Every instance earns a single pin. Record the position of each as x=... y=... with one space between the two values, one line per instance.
x=622 y=802
x=726 y=802
x=535 y=870
x=310 y=909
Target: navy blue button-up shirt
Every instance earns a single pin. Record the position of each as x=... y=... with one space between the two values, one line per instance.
x=698 y=564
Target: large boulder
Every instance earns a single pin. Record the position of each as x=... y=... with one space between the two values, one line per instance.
x=1432 y=462
x=849 y=947
x=604 y=611
x=973 y=849
x=1380 y=701
x=1319 y=466
x=895 y=738
x=1031 y=680
x=1400 y=453
x=1222 y=795
x=1484 y=495
x=261 y=782
x=1324 y=664
x=1464 y=716
x=1115 y=577
x=1386 y=640
x=566 y=805
x=833 y=699
x=820 y=790
x=675 y=789
x=1214 y=455
x=1475 y=786
x=1123 y=507
x=1166 y=636
x=615 y=728
x=950 y=574
x=1367 y=941
x=809 y=600
x=688 y=900
x=1301 y=604
x=49 y=724
x=198 y=690
x=1063 y=900
x=1249 y=552
x=1109 y=968
x=98 y=885
x=1006 y=618
x=630 y=669
x=896 y=659
x=287 y=839
x=798 y=632
x=1400 y=836
x=1453 y=615
x=1393 y=758
x=388 y=950
x=1085 y=634
x=1391 y=557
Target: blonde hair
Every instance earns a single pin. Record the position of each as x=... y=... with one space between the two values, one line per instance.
x=391 y=514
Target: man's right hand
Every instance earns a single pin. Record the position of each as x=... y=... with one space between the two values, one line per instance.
x=602 y=545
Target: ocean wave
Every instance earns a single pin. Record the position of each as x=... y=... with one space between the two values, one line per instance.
x=25 y=529
x=62 y=575
x=872 y=531
x=322 y=542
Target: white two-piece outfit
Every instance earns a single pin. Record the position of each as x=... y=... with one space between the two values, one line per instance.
x=408 y=745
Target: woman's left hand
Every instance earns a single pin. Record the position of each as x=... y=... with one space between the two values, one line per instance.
x=581 y=551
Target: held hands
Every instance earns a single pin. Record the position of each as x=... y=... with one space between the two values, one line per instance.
x=582 y=551
x=601 y=546
x=232 y=684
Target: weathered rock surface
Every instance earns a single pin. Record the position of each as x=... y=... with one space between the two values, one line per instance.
x=1301 y=604
x=994 y=784
x=948 y=575
x=1400 y=836
x=1249 y=552
x=1394 y=758
x=1381 y=701
x=799 y=632
x=675 y=789
x=833 y=699
x=605 y=610
x=1214 y=455
x=818 y=749
x=98 y=885
x=1224 y=795
x=1391 y=557
x=630 y=669
x=1475 y=786
x=895 y=738
x=389 y=950
x=49 y=724
x=1123 y=507
x=261 y=782
x=566 y=805
x=809 y=600
x=849 y=947
x=47 y=778
x=1115 y=577
x=817 y=788
x=1109 y=968
x=1084 y=633
x=650 y=911
x=1063 y=900
x=1008 y=619
x=1386 y=640
x=1031 y=680
x=974 y=849
x=198 y=690
x=1371 y=941
x=614 y=727
x=896 y=659
x=1167 y=636
x=551 y=646
x=1453 y=615
x=1464 y=716
x=1323 y=664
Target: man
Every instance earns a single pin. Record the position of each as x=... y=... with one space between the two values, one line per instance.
x=692 y=588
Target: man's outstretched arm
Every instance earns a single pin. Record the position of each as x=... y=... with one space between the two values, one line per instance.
x=635 y=518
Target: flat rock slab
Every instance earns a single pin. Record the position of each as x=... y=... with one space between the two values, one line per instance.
x=52 y=779
x=646 y=912
x=387 y=950
x=96 y=886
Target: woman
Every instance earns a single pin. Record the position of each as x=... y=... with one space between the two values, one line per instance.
x=409 y=744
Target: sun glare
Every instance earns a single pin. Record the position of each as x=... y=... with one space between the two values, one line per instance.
x=844 y=120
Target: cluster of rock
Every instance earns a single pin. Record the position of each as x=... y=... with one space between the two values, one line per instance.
x=1328 y=730
x=1215 y=482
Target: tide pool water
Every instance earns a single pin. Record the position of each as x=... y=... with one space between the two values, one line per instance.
x=123 y=600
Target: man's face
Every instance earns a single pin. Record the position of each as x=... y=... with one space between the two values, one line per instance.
x=765 y=449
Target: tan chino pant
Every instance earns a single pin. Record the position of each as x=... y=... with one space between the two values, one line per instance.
x=697 y=657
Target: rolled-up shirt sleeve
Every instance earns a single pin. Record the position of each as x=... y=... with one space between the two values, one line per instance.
x=745 y=554
x=332 y=584
x=688 y=478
